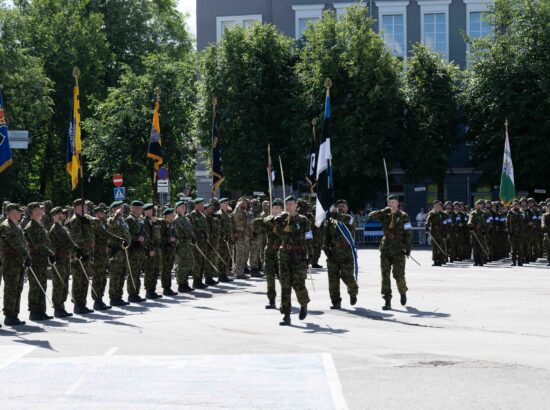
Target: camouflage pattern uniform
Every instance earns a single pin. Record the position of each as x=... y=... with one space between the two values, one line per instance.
x=534 y=231
x=340 y=260
x=226 y=232
x=241 y=227
x=184 y=250
x=81 y=232
x=477 y=223
x=151 y=264
x=200 y=232
x=167 y=251
x=118 y=264
x=102 y=238
x=436 y=225
x=63 y=246
x=465 y=250
x=40 y=249
x=271 y=267
x=255 y=242
x=514 y=226
x=47 y=220
x=13 y=251
x=136 y=253
x=292 y=258
x=545 y=227
x=213 y=229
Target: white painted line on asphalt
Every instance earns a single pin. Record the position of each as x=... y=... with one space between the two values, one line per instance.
x=74 y=387
x=20 y=353
x=334 y=383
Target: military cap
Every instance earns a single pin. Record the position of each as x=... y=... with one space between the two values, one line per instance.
x=148 y=206
x=341 y=201
x=207 y=205
x=224 y=200
x=34 y=205
x=243 y=198
x=115 y=204
x=167 y=211
x=13 y=207
x=531 y=200
x=437 y=201
x=480 y=202
x=448 y=203
x=456 y=203
x=78 y=202
x=516 y=202
x=137 y=203
x=523 y=199
x=393 y=198
x=214 y=201
x=290 y=198
x=56 y=210
x=277 y=202
x=198 y=201
x=99 y=209
x=301 y=200
x=495 y=203
x=179 y=203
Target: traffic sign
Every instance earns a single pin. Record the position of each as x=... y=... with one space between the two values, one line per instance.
x=118 y=181
x=120 y=193
x=162 y=173
x=162 y=186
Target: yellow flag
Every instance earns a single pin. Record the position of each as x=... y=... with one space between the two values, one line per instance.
x=74 y=145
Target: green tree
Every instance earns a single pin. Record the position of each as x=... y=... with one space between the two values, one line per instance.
x=251 y=72
x=118 y=133
x=365 y=98
x=431 y=93
x=510 y=79
x=28 y=105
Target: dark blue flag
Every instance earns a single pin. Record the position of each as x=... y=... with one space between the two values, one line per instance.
x=5 y=151
x=324 y=165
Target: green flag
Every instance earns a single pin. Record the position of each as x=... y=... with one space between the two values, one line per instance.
x=507 y=187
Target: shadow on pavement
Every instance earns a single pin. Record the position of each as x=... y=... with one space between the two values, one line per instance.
x=43 y=344
x=369 y=314
x=208 y=308
x=420 y=313
x=134 y=308
x=116 y=323
x=73 y=319
x=202 y=294
x=315 y=328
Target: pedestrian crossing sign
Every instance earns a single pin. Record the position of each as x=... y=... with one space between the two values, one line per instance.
x=120 y=193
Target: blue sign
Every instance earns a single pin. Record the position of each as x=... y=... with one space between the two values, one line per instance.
x=120 y=193
x=163 y=173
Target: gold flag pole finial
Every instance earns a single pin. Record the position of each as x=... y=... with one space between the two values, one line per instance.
x=76 y=74
x=157 y=90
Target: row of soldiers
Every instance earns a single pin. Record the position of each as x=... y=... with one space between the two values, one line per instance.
x=126 y=242
x=490 y=232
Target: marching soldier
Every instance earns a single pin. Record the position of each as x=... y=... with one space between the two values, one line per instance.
x=294 y=230
x=118 y=263
x=81 y=232
x=272 y=246
x=514 y=226
x=168 y=243
x=477 y=223
x=436 y=225
x=136 y=252
x=15 y=257
x=151 y=244
x=339 y=248
x=63 y=247
x=394 y=247
x=226 y=233
x=186 y=240
x=41 y=253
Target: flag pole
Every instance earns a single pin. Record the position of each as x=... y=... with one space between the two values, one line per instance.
x=269 y=184
x=76 y=74
x=283 y=180
x=153 y=170
x=214 y=104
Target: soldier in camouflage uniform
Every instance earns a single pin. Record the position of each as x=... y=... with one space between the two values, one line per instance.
x=42 y=254
x=184 y=250
x=534 y=230
x=294 y=230
x=514 y=226
x=545 y=227
x=394 y=247
x=265 y=213
x=241 y=226
x=136 y=251
x=436 y=225
x=452 y=232
x=226 y=233
x=477 y=223
x=317 y=242
x=213 y=232
x=151 y=265
x=527 y=227
x=102 y=238
x=466 y=250
x=273 y=243
x=168 y=243
x=14 y=254
x=255 y=242
x=47 y=220
x=118 y=264
x=63 y=246
x=200 y=231
x=303 y=209
x=82 y=233
x=340 y=258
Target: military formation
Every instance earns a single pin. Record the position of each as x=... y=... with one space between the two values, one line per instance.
x=105 y=249
x=490 y=232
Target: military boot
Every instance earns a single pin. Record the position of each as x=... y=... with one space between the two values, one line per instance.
x=271 y=304
x=135 y=298
x=353 y=300
x=403 y=299
x=336 y=305
x=255 y=273
x=197 y=284
x=13 y=321
x=303 y=312
x=211 y=282
x=316 y=266
x=100 y=305
x=82 y=310
x=59 y=313
x=224 y=278
x=286 y=320
x=169 y=292
x=387 y=305
x=185 y=288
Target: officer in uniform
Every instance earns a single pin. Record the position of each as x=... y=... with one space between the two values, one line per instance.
x=514 y=226
x=136 y=251
x=118 y=263
x=294 y=231
x=151 y=265
x=15 y=257
x=436 y=225
x=477 y=224
x=63 y=247
x=340 y=257
x=168 y=243
x=186 y=241
x=41 y=251
x=272 y=246
x=394 y=247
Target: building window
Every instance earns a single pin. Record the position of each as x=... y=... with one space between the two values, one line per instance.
x=434 y=25
x=478 y=27
x=226 y=22
x=305 y=14
x=392 y=20
x=341 y=8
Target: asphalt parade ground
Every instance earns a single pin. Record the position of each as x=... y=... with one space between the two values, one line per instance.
x=469 y=338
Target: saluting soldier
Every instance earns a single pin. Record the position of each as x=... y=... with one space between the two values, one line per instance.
x=184 y=250
x=294 y=230
x=339 y=248
x=118 y=264
x=273 y=243
x=168 y=243
x=82 y=233
x=136 y=251
x=64 y=247
x=151 y=244
x=41 y=252
x=394 y=247
x=15 y=257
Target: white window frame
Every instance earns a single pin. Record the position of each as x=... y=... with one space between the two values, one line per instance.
x=306 y=11
x=341 y=8
x=435 y=7
x=392 y=8
x=238 y=19
x=476 y=6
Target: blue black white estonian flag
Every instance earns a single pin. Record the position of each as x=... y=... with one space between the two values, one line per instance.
x=324 y=167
